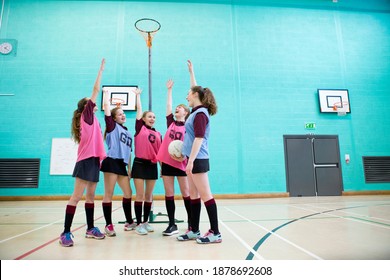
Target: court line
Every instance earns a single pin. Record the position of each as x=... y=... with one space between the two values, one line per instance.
x=356 y=219
x=265 y=237
x=272 y=232
x=53 y=240
x=246 y=245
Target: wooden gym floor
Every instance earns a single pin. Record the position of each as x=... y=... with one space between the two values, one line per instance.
x=305 y=228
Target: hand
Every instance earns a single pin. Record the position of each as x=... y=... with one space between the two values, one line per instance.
x=181 y=158
x=189 y=167
x=190 y=67
x=137 y=91
x=169 y=84
x=102 y=64
x=105 y=97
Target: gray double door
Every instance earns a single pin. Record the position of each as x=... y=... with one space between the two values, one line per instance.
x=313 y=165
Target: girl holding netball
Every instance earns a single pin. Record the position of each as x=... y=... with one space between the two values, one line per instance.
x=87 y=133
x=171 y=168
x=147 y=142
x=195 y=149
x=119 y=142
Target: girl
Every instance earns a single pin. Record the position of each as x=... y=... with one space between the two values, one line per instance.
x=119 y=142
x=147 y=142
x=87 y=133
x=171 y=168
x=195 y=149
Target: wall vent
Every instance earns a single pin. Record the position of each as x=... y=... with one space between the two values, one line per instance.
x=377 y=169
x=19 y=173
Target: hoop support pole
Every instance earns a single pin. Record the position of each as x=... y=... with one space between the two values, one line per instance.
x=150 y=78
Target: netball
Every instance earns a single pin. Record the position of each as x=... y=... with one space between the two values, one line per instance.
x=175 y=148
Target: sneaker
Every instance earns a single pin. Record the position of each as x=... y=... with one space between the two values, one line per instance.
x=209 y=237
x=66 y=239
x=189 y=235
x=140 y=229
x=94 y=233
x=171 y=230
x=148 y=227
x=129 y=227
x=110 y=230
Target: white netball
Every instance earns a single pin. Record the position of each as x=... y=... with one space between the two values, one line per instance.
x=175 y=148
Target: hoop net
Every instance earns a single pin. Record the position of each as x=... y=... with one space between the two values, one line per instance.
x=116 y=101
x=147 y=27
x=341 y=108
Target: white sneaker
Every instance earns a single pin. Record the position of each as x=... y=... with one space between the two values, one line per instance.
x=129 y=227
x=148 y=227
x=140 y=229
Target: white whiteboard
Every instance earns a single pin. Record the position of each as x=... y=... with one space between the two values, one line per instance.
x=63 y=156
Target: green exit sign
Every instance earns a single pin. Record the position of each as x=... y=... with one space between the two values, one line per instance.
x=310 y=125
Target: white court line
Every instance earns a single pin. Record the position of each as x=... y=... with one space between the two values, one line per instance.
x=242 y=241
x=277 y=235
x=356 y=214
x=337 y=216
x=27 y=232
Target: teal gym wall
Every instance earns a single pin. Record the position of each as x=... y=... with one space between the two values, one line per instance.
x=264 y=61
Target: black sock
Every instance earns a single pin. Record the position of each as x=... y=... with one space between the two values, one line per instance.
x=187 y=205
x=170 y=205
x=195 y=214
x=147 y=209
x=211 y=208
x=69 y=214
x=89 y=211
x=138 y=211
x=126 y=204
x=107 y=209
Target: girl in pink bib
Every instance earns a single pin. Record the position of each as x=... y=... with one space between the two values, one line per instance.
x=87 y=133
x=147 y=142
x=171 y=168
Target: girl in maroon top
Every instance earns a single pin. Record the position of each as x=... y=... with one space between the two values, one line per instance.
x=147 y=142
x=86 y=171
x=171 y=168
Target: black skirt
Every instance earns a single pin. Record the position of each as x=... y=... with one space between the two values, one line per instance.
x=144 y=169
x=168 y=170
x=201 y=166
x=114 y=165
x=87 y=169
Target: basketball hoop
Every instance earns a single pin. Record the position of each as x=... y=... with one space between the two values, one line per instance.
x=148 y=27
x=116 y=101
x=341 y=108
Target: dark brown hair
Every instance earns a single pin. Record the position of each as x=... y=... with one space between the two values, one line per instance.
x=207 y=99
x=75 y=129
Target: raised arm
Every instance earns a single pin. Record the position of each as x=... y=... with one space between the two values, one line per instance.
x=169 y=97
x=192 y=74
x=137 y=92
x=106 y=103
x=96 y=87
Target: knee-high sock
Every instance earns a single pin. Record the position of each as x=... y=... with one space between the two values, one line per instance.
x=170 y=205
x=89 y=212
x=69 y=214
x=126 y=204
x=138 y=211
x=147 y=209
x=195 y=214
x=187 y=205
x=211 y=208
x=107 y=209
